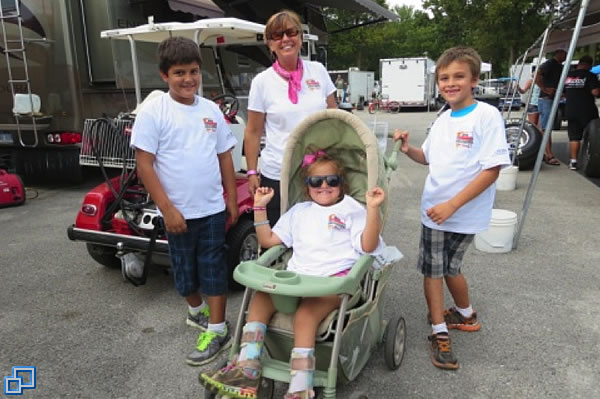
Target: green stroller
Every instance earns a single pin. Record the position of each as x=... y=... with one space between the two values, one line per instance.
x=347 y=336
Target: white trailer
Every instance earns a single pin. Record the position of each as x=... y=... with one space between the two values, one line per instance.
x=409 y=81
x=359 y=82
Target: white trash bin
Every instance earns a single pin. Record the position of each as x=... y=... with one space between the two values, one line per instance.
x=507 y=180
x=499 y=237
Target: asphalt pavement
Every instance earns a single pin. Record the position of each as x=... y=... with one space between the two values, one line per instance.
x=91 y=335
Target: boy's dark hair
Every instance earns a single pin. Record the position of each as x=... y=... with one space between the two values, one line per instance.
x=177 y=51
x=586 y=60
x=467 y=55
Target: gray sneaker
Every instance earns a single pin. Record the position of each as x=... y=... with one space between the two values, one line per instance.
x=208 y=347
x=200 y=320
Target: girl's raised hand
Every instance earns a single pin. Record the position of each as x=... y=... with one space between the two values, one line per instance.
x=375 y=197
x=263 y=195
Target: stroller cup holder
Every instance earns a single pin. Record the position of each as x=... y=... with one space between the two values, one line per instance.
x=283 y=303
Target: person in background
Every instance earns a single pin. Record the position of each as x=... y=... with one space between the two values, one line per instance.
x=339 y=86
x=280 y=98
x=581 y=88
x=547 y=79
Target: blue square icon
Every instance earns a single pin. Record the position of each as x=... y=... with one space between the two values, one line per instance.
x=23 y=377
x=12 y=386
x=25 y=373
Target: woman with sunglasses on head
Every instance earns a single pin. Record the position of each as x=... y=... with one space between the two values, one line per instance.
x=339 y=231
x=280 y=98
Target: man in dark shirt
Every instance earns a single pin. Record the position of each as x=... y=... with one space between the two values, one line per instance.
x=547 y=79
x=580 y=87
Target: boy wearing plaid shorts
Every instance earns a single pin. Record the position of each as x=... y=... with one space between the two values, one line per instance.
x=465 y=149
x=183 y=154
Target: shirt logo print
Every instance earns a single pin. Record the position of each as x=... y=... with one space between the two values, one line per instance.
x=313 y=84
x=209 y=125
x=464 y=140
x=335 y=223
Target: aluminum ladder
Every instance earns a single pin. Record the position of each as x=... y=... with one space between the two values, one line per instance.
x=10 y=11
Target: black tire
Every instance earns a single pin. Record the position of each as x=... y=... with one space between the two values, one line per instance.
x=589 y=153
x=529 y=144
x=106 y=256
x=242 y=245
x=394 y=107
x=266 y=388
x=395 y=342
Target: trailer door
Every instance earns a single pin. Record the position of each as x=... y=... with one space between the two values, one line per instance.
x=404 y=80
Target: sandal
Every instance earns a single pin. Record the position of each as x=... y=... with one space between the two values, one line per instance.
x=551 y=161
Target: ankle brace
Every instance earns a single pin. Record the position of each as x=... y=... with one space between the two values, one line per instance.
x=253 y=337
x=302 y=365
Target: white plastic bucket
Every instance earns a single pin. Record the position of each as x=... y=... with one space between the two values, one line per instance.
x=507 y=181
x=499 y=237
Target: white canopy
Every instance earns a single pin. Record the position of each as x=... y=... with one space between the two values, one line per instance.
x=208 y=32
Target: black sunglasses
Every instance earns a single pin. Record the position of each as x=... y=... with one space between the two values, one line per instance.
x=291 y=32
x=317 y=181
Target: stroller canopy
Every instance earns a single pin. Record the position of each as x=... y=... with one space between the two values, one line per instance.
x=342 y=136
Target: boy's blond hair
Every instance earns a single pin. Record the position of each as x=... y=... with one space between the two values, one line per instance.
x=467 y=55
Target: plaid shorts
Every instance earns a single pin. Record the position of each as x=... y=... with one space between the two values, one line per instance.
x=198 y=256
x=441 y=252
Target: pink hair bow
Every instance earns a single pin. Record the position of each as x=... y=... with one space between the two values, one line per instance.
x=311 y=158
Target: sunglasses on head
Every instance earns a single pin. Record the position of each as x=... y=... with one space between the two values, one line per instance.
x=291 y=32
x=317 y=181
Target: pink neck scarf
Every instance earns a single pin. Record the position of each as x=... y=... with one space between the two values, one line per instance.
x=294 y=79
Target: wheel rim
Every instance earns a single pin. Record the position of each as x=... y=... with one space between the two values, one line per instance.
x=399 y=341
x=249 y=248
x=512 y=133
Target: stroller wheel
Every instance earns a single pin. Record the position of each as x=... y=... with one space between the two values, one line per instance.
x=395 y=342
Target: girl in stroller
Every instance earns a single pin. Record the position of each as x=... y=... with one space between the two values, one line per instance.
x=328 y=234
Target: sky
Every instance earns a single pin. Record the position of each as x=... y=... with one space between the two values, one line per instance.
x=415 y=3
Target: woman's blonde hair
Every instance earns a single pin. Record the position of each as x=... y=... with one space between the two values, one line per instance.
x=279 y=21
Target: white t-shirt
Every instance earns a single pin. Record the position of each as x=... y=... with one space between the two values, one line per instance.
x=457 y=149
x=326 y=239
x=185 y=140
x=269 y=95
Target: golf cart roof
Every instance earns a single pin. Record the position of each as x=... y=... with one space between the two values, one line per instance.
x=207 y=32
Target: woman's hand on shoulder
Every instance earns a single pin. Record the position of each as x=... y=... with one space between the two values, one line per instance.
x=375 y=197
x=263 y=196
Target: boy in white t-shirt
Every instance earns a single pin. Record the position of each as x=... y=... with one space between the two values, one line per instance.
x=465 y=149
x=339 y=231
x=183 y=154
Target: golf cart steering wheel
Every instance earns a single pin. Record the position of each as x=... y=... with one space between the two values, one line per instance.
x=229 y=105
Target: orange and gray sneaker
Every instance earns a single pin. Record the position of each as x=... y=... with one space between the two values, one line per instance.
x=440 y=351
x=455 y=320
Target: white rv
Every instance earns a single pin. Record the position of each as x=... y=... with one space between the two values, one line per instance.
x=409 y=81
x=360 y=83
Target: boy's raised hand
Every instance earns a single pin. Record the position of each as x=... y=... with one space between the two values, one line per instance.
x=402 y=135
x=375 y=197
x=263 y=195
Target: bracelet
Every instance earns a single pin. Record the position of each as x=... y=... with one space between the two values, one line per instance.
x=251 y=172
x=264 y=222
x=259 y=208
